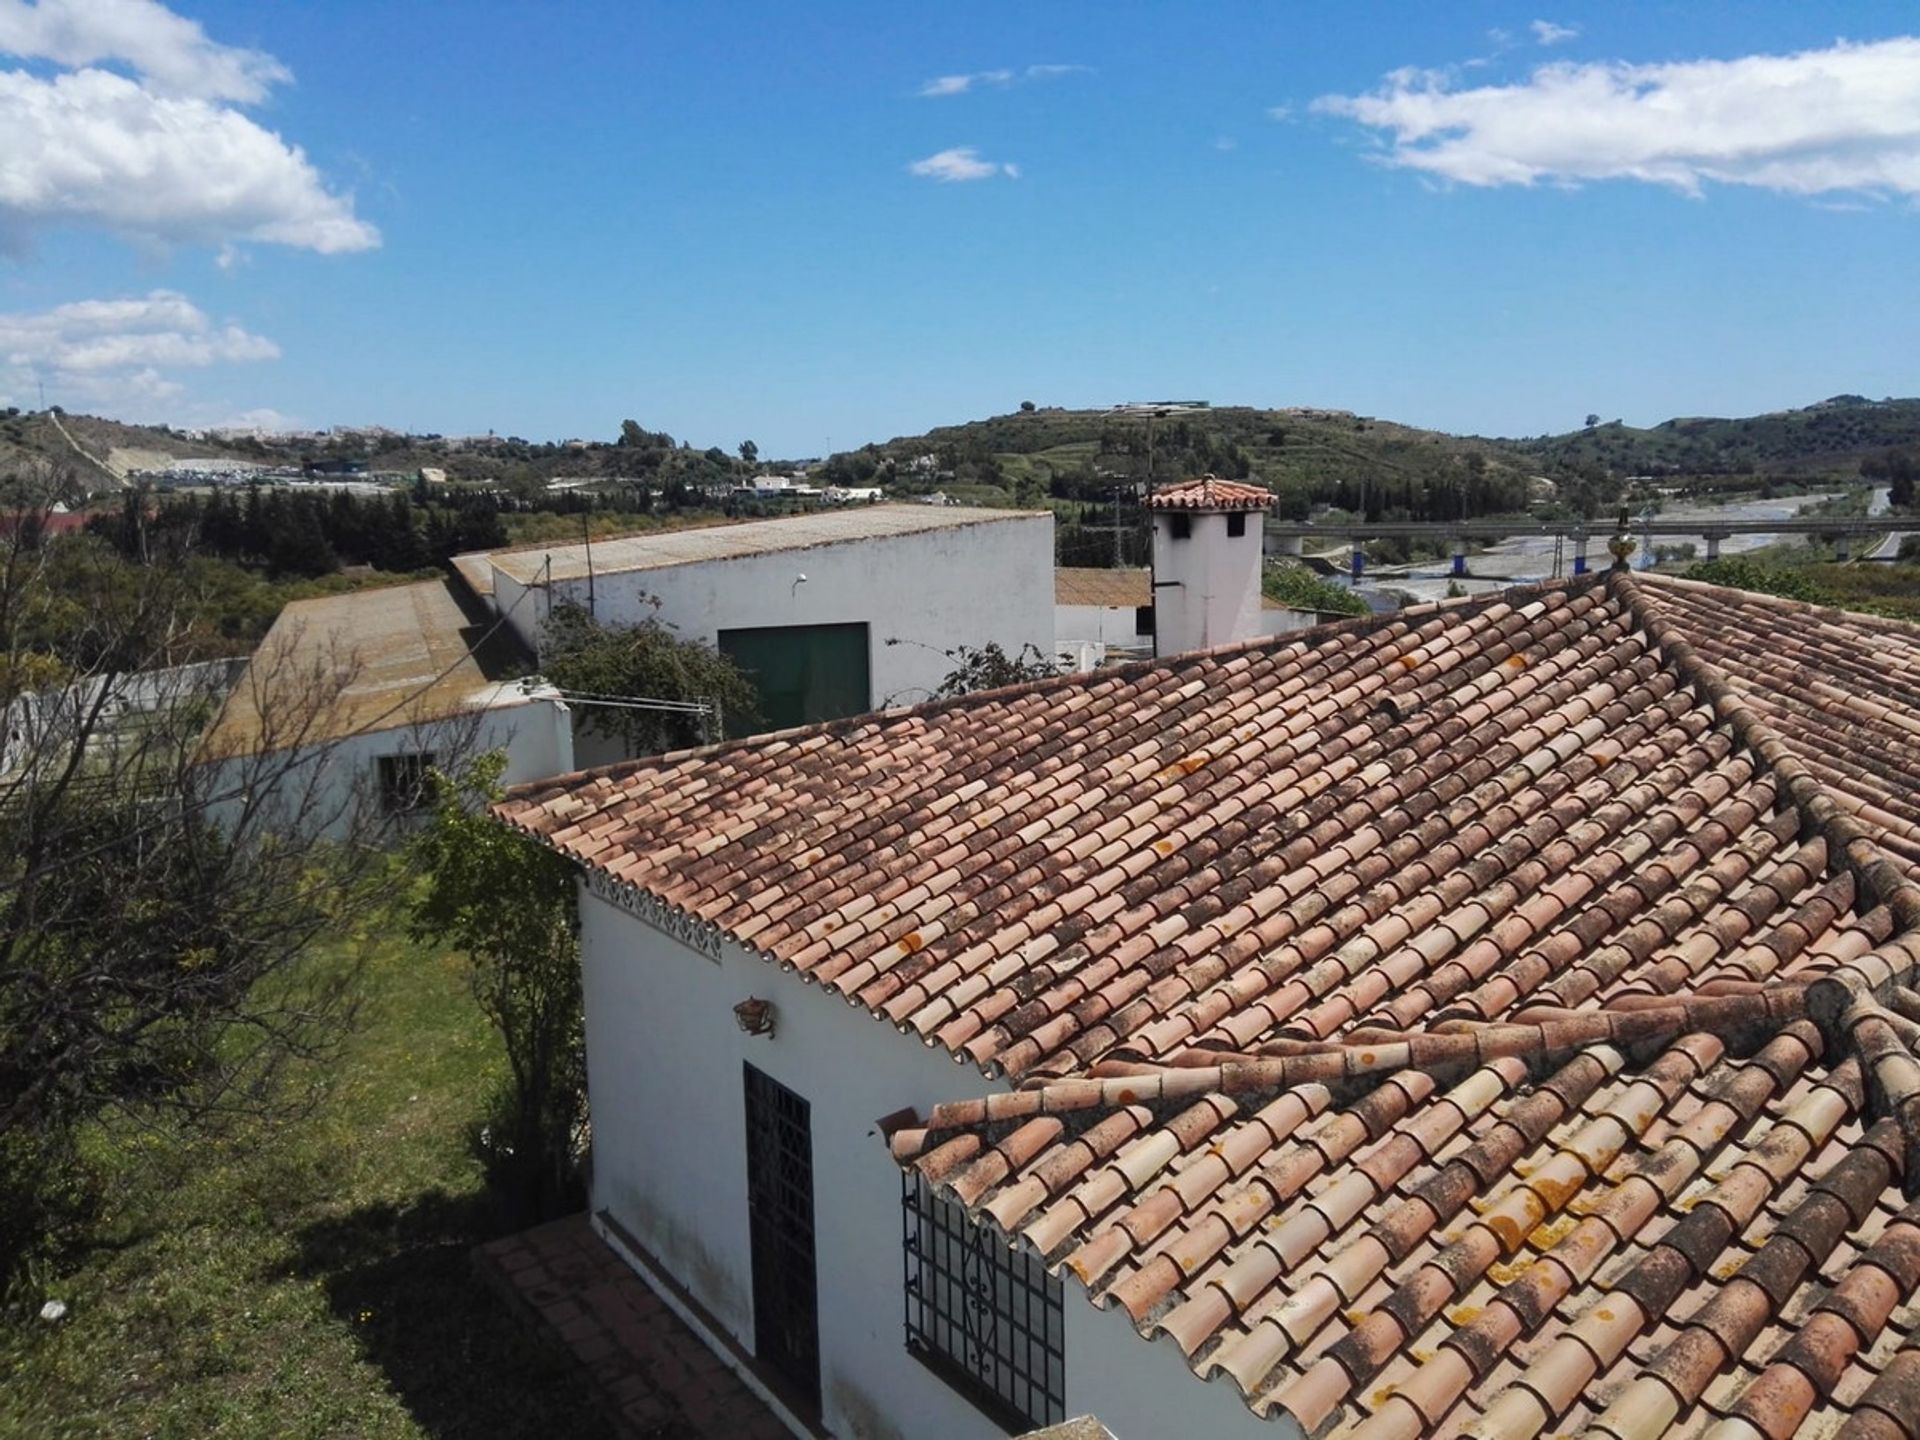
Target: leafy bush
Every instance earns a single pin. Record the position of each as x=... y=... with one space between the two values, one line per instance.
x=1785 y=581
x=508 y=902
x=1299 y=587
x=645 y=660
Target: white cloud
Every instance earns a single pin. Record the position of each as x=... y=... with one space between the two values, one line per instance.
x=263 y=420
x=117 y=353
x=1545 y=32
x=963 y=162
x=163 y=155
x=172 y=52
x=942 y=86
x=96 y=148
x=1843 y=119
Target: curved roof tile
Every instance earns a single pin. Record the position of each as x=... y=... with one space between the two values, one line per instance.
x=1489 y=1018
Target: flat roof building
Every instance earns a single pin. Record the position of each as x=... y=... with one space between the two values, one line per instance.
x=833 y=613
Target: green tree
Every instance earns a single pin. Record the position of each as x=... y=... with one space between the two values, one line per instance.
x=749 y=452
x=509 y=903
x=1299 y=587
x=647 y=661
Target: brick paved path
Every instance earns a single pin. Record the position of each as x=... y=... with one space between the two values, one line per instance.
x=652 y=1375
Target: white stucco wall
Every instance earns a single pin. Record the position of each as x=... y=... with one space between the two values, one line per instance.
x=1285 y=622
x=664 y=1061
x=933 y=590
x=1207 y=586
x=1142 y=1390
x=1088 y=634
x=324 y=788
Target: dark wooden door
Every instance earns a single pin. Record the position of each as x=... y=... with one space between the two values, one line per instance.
x=786 y=1316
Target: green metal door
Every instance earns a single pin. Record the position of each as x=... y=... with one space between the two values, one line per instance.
x=804 y=673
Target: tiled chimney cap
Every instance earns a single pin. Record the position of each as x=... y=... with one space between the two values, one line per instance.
x=1210 y=492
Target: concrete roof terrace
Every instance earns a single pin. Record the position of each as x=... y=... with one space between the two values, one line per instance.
x=659 y=550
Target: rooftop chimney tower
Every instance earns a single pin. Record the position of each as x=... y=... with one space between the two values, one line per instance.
x=1206 y=563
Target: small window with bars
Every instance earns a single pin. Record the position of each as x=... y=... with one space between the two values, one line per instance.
x=403 y=782
x=983 y=1316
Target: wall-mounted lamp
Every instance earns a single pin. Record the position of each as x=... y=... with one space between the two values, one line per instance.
x=755 y=1016
x=794 y=589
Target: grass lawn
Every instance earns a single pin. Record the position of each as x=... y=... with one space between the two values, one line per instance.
x=305 y=1278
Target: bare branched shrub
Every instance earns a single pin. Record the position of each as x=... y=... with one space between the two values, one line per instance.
x=160 y=891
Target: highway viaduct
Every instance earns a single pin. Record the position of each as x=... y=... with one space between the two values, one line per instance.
x=1288 y=537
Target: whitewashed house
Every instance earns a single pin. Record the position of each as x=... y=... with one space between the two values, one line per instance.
x=358 y=695
x=740 y=1164
x=1101 y=615
x=1074 y=1048
x=833 y=614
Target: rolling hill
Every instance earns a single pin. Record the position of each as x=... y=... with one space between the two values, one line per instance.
x=1832 y=436
x=1307 y=456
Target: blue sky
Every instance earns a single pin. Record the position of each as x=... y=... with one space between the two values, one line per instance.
x=796 y=225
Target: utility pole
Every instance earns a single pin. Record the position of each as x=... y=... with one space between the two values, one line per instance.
x=586 y=530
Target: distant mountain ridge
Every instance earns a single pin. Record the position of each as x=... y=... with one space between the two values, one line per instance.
x=1312 y=456
x=1307 y=454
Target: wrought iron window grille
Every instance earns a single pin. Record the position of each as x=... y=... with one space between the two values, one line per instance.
x=983 y=1316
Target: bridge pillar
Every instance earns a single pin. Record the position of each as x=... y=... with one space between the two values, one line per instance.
x=1843 y=546
x=1288 y=545
x=1359 y=561
x=1713 y=546
x=1579 y=554
x=1459 y=557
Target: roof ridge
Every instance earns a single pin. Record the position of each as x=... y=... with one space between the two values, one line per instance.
x=1863 y=619
x=1357 y=1062
x=1355 y=624
x=1848 y=841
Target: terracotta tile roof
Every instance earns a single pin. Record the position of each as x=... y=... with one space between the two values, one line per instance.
x=1487 y=1018
x=1210 y=492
